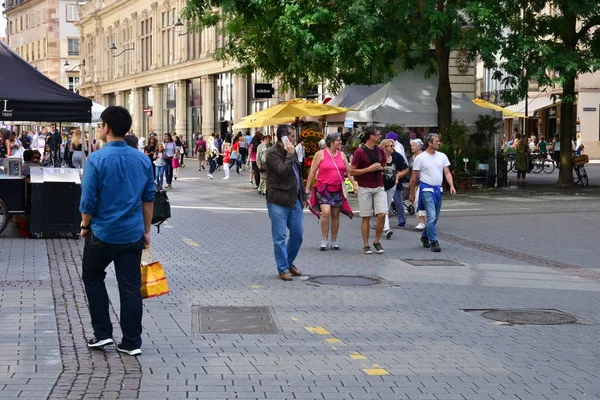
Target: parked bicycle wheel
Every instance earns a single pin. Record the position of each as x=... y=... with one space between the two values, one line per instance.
x=4 y=217
x=537 y=166
x=584 y=177
x=548 y=166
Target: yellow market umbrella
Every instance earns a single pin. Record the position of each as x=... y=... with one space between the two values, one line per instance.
x=259 y=123
x=294 y=109
x=506 y=113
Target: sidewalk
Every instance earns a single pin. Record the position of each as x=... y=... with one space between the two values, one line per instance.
x=407 y=337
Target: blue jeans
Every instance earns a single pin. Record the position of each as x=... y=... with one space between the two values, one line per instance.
x=291 y=218
x=97 y=255
x=433 y=213
x=399 y=203
x=212 y=166
x=160 y=174
x=169 y=170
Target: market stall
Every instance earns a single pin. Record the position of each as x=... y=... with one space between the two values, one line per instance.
x=28 y=95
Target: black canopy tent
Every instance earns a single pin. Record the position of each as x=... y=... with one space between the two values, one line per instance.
x=28 y=95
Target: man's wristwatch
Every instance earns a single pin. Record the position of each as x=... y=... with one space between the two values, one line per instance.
x=84 y=228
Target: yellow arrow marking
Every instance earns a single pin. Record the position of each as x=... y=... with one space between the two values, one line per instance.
x=375 y=371
x=333 y=340
x=357 y=356
x=294 y=319
x=190 y=242
x=256 y=286
x=317 y=330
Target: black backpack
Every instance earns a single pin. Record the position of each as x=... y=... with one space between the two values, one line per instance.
x=162 y=208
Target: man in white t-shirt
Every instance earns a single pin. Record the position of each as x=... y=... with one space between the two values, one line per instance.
x=141 y=144
x=430 y=167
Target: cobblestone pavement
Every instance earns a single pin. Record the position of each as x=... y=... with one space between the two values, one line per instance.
x=416 y=335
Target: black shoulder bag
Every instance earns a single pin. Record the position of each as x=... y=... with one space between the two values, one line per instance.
x=162 y=208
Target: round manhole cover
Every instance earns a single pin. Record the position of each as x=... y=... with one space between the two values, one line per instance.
x=344 y=280
x=530 y=317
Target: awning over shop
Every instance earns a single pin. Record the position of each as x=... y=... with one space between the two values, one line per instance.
x=533 y=104
x=506 y=113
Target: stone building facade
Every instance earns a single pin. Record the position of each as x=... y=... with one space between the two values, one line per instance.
x=44 y=34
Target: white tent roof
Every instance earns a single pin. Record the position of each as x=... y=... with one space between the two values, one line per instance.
x=533 y=104
x=97 y=111
x=352 y=94
x=409 y=99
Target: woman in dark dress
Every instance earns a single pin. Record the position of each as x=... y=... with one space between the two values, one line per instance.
x=149 y=150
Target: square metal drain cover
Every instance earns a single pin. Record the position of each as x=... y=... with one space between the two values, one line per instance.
x=235 y=320
x=433 y=263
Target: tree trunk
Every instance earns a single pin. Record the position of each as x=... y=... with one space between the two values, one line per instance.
x=444 y=93
x=567 y=132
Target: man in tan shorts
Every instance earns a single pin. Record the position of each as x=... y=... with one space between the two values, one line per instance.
x=367 y=168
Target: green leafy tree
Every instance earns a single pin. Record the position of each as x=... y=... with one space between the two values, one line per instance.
x=342 y=41
x=552 y=43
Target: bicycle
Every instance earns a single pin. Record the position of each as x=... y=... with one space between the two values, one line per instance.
x=579 y=172
x=541 y=162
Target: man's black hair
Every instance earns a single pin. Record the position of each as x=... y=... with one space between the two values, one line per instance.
x=283 y=130
x=118 y=120
x=370 y=130
x=28 y=155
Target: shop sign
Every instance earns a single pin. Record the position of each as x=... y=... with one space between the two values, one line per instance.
x=263 y=90
x=5 y=111
x=147 y=111
x=589 y=108
x=348 y=123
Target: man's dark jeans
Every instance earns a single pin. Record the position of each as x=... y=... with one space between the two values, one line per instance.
x=97 y=255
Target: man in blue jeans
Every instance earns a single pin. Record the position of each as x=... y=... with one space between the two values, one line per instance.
x=285 y=201
x=117 y=195
x=431 y=167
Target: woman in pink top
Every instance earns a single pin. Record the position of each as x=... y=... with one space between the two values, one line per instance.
x=327 y=200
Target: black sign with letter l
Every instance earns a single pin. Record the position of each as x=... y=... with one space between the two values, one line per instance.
x=263 y=90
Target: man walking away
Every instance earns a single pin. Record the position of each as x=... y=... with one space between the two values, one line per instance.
x=285 y=202
x=367 y=166
x=430 y=167
x=116 y=212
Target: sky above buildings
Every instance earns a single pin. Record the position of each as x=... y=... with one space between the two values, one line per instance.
x=2 y=26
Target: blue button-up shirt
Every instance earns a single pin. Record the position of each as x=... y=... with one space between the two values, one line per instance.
x=116 y=180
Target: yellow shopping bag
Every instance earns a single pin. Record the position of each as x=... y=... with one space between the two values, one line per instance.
x=154 y=280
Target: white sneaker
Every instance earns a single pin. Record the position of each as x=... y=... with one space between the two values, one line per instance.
x=226 y=177
x=420 y=227
x=210 y=176
x=387 y=234
x=335 y=245
x=324 y=244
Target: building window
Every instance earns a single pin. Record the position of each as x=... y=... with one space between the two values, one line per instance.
x=168 y=37
x=224 y=97
x=73 y=47
x=126 y=39
x=72 y=15
x=146 y=40
x=170 y=105
x=73 y=83
x=194 y=39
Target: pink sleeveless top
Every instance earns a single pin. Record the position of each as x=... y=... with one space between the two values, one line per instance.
x=328 y=174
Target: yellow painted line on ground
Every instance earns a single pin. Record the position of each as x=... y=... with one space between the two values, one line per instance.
x=317 y=330
x=256 y=286
x=168 y=226
x=375 y=371
x=334 y=348
x=294 y=319
x=333 y=340
x=357 y=356
x=190 y=242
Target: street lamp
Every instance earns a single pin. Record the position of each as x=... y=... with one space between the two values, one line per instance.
x=179 y=24
x=67 y=65
x=113 y=48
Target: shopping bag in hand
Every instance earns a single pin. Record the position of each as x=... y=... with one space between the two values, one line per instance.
x=154 y=280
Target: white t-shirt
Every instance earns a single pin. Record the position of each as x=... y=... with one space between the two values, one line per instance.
x=141 y=143
x=431 y=167
x=400 y=149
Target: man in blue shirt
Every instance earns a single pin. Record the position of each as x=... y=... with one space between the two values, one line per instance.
x=117 y=195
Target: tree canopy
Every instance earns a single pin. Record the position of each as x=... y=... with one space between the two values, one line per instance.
x=551 y=43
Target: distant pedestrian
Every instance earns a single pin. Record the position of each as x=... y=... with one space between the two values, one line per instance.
x=416 y=148
x=330 y=166
x=253 y=149
x=201 y=152
x=226 y=158
x=212 y=155
x=160 y=165
x=430 y=167
x=556 y=150
x=579 y=146
x=116 y=213
x=285 y=202
x=300 y=152
x=394 y=172
x=522 y=159
x=243 y=149
x=170 y=152
x=367 y=167
x=76 y=149
x=543 y=148
x=261 y=162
